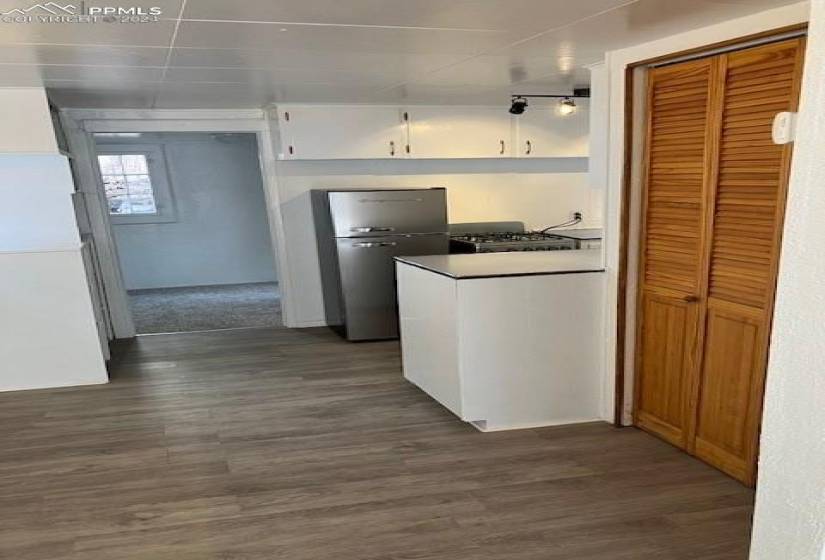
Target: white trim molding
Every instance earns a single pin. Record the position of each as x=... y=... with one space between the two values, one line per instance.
x=82 y=123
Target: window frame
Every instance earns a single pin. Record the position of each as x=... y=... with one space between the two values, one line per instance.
x=158 y=176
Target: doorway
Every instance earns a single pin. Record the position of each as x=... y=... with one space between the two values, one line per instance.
x=189 y=221
x=712 y=208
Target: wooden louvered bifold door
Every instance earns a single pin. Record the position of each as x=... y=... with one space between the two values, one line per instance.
x=679 y=156
x=744 y=253
x=715 y=186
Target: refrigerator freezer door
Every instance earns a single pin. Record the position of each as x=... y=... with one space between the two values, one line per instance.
x=368 y=280
x=388 y=212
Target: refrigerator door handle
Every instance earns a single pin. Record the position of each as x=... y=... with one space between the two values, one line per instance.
x=370 y=229
x=372 y=244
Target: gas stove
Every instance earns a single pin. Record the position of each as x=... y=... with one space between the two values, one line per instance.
x=499 y=242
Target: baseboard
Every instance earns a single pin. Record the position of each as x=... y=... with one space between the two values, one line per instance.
x=40 y=387
x=305 y=324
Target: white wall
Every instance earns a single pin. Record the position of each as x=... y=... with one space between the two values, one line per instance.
x=538 y=192
x=617 y=62
x=39 y=181
x=26 y=128
x=790 y=502
x=599 y=128
x=48 y=336
x=221 y=234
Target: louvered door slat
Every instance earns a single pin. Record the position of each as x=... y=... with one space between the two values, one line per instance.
x=676 y=166
x=741 y=188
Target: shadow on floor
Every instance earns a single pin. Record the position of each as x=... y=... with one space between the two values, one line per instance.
x=203 y=308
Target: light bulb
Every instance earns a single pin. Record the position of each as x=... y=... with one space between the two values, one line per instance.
x=566 y=107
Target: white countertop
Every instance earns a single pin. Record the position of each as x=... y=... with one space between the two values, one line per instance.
x=517 y=263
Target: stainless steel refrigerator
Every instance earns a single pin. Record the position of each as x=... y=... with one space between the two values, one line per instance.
x=359 y=232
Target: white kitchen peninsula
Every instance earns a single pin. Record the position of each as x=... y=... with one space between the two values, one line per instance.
x=505 y=340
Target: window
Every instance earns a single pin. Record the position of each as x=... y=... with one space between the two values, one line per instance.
x=127 y=184
x=135 y=184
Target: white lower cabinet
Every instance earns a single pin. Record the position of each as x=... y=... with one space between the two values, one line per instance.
x=460 y=132
x=342 y=132
x=504 y=352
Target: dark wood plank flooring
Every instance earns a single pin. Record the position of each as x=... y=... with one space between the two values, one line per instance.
x=280 y=444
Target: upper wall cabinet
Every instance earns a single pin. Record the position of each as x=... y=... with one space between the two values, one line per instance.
x=460 y=132
x=430 y=132
x=542 y=132
x=342 y=132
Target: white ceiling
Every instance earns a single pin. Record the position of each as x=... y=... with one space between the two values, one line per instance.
x=247 y=53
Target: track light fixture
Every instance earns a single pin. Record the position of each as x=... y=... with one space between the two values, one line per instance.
x=566 y=106
x=518 y=105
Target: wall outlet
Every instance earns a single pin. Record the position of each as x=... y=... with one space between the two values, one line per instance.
x=578 y=216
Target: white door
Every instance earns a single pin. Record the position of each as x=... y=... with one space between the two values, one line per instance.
x=342 y=132
x=543 y=132
x=460 y=132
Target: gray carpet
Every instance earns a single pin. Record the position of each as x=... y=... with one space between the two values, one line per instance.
x=203 y=308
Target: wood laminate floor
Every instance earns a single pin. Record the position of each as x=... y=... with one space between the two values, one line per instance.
x=280 y=444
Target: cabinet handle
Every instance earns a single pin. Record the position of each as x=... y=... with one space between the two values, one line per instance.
x=368 y=229
x=691 y=299
x=529 y=148
x=392 y=147
x=372 y=244
x=501 y=151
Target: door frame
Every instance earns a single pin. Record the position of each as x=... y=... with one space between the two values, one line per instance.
x=81 y=124
x=630 y=201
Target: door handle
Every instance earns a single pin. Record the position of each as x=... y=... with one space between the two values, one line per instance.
x=373 y=244
x=501 y=151
x=690 y=299
x=529 y=148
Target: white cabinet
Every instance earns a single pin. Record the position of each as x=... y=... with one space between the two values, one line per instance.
x=464 y=342
x=430 y=132
x=342 y=132
x=542 y=132
x=460 y=132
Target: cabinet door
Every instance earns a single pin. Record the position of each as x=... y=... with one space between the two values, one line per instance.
x=460 y=132
x=543 y=132
x=672 y=275
x=342 y=132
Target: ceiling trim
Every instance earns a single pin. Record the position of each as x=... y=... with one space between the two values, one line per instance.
x=142 y=125
x=165 y=114
x=356 y=25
